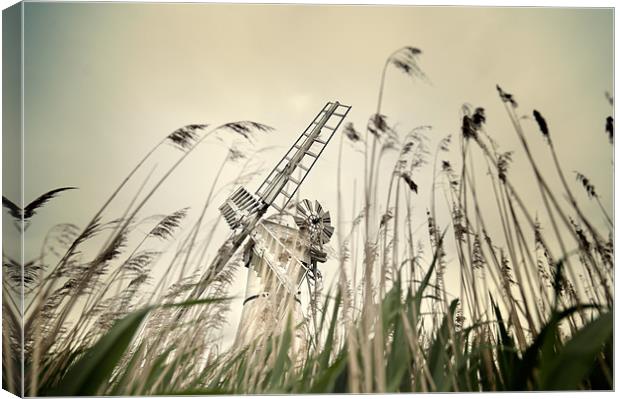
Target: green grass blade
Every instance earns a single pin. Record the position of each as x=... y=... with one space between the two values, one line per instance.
x=96 y=366
x=328 y=377
x=567 y=369
x=439 y=356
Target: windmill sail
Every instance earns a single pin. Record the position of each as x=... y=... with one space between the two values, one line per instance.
x=280 y=184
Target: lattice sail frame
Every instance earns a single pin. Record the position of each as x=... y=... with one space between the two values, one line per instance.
x=303 y=154
x=280 y=184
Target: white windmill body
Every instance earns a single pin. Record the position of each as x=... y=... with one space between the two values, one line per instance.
x=279 y=256
x=275 y=257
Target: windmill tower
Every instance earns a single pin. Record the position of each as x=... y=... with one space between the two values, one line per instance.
x=280 y=256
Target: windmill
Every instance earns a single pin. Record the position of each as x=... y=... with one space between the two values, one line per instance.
x=279 y=256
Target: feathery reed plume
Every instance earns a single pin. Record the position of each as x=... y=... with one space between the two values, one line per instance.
x=444 y=143
x=458 y=221
x=406 y=61
x=184 y=138
x=503 y=161
x=245 y=128
x=407 y=148
x=545 y=263
x=407 y=178
x=377 y=124
x=165 y=228
x=607 y=250
x=478 y=118
x=459 y=318
x=472 y=124
x=542 y=124
x=386 y=218
x=507 y=98
x=138 y=263
x=478 y=261
x=506 y=271
x=351 y=133
x=587 y=185
x=111 y=252
x=437 y=246
x=584 y=243
x=609 y=128
x=466 y=128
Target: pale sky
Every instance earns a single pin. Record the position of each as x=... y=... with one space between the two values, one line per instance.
x=105 y=82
